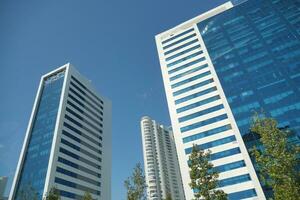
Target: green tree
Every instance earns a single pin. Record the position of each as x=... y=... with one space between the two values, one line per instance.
x=204 y=180
x=27 y=192
x=136 y=184
x=278 y=160
x=87 y=196
x=168 y=196
x=53 y=194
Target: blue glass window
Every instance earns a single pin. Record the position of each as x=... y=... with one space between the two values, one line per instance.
x=67 y=162
x=178 y=41
x=88 y=90
x=75 y=185
x=76 y=166
x=255 y=46
x=278 y=97
x=73 y=146
x=203 y=123
x=181 y=46
x=77 y=157
x=234 y=180
x=75 y=175
x=87 y=96
x=184 y=58
x=74 y=138
x=81 y=98
x=66 y=172
x=91 y=115
x=245 y=108
x=224 y=154
x=197 y=104
x=230 y=166
x=213 y=143
x=70 y=144
x=177 y=36
x=198 y=94
x=83 y=119
x=207 y=133
x=200 y=113
x=186 y=65
x=83 y=127
x=85 y=107
x=188 y=72
x=283 y=110
x=34 y=167
x=68 y=194
x=242 y=194
x=77 y=131
x=183 y=52
x=190 y=79
x=192 y=87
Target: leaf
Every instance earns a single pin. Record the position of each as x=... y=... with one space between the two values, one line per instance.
x=204 y=180
x=277 y=160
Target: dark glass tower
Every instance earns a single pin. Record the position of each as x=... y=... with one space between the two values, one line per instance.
x=33 y=173
x=255 y=49
x=68 y=140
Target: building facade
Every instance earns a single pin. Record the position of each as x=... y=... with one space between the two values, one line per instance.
x=68 y=140
x=255 y=49
x=220 y=67
x=253 y=140
x=3 y=182
x=160 y=161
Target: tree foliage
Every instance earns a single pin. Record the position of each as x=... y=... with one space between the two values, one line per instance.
x=136 y=184
x=204 y=180
x=87 y=196
x=53 y=194
x=168 y=196
x=278 y=160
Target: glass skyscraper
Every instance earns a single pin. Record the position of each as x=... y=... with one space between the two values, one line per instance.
x=252 y=139
x=218 y=69
x=255 y=49
x=67 y=143
x=256 y=53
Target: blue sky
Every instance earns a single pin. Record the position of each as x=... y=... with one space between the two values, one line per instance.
x=109 y=42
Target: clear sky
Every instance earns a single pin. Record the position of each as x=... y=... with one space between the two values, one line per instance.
x=109 y=42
